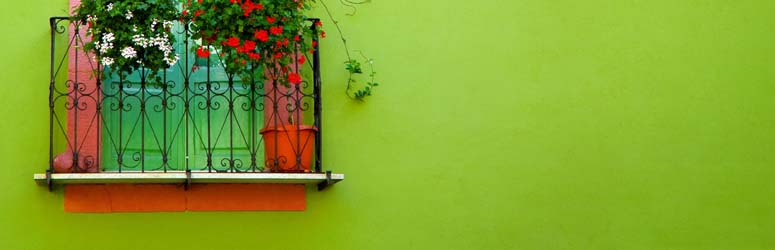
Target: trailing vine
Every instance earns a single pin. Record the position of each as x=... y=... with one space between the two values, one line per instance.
x=352 y=65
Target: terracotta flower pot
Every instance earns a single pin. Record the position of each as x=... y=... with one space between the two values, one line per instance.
x=288 y=148
x=63 y=163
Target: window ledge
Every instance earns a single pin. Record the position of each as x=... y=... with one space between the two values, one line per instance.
x=322 y=179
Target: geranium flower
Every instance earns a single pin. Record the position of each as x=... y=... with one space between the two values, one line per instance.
x=254 y=56
x=302 y=59
x=294 y=78
x=249 y=45
x=248 y=7
x=270 y=19
x=276 y=30
x=202 y=52
x=261 y=35
x=233 y=42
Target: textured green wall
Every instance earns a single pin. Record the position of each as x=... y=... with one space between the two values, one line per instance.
x=508 y=124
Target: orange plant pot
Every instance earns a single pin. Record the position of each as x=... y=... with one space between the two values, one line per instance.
x=288 y=148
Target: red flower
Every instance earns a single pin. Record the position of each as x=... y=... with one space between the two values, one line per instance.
x=185 y=12
x=261 y=35
x=254 y=56
x=276 y=30
x=278 y=55
x=278 y=44
x=198 y=13
x=314 y=43
x=202 y=52
x=294 y=78
x=296 y=38
x=285 y=42
x=233 y=42
x=235 y=1
x=270 y=19
x=323 y=34
x=249 y=6
x=302 y=59
x=249 y=45
x=319 y=24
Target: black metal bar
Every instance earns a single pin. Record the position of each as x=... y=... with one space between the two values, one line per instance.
x=209 y=149
x=165 y=149
x=186 y=90
x=231 y=123
x=75 y=166
x=142 y=119
x=188 y=180
x=52 y=81
x=120 y=154
x=318 y=114
x=253 y=146
x=328 y=182
x=98 y=113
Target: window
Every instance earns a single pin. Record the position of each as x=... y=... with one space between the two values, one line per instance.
x=197 y=124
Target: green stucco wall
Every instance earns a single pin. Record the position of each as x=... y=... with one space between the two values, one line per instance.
x=515 y=124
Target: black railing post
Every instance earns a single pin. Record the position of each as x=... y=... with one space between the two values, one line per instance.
x=318 y=102
x=52 y=25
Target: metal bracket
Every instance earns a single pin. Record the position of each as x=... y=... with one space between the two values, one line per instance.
x=327 y=182
x=49 y=182
x=188 y=179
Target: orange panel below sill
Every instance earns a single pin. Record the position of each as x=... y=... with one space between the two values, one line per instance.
x=109 y=198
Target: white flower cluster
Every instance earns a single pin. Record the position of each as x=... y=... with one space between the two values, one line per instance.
x=172 y=60
x=163 y=43
x=107 y=61
x=160 y=40
x=106 y=44
x=140 y=40
x=165 y=24
x=128 y=52
x=168 y=24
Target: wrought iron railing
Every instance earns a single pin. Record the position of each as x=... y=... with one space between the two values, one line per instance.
x=197 y=118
